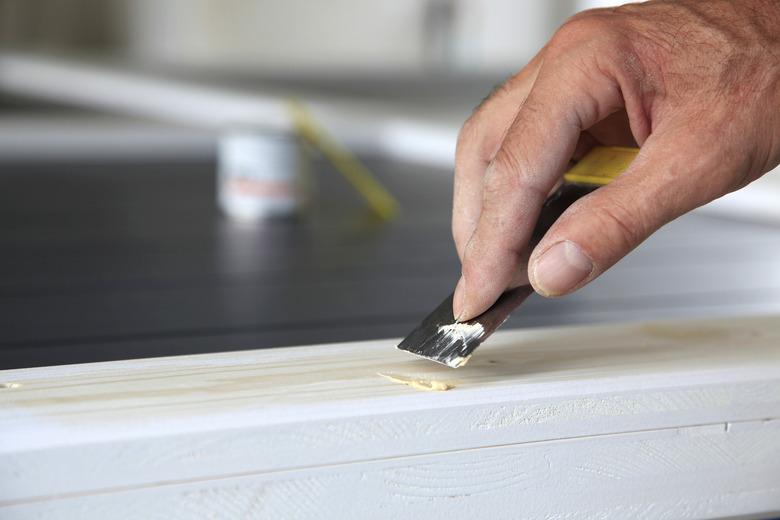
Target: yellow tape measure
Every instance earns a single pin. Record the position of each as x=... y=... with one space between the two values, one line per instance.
x=379 y=199
x=601 y=165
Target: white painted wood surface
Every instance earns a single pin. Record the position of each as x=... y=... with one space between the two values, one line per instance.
x=665 y=420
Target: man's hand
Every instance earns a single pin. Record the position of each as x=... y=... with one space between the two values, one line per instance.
x=695 y=83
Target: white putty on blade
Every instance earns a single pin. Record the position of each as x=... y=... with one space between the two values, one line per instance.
x=454 y=332
x=458 y=361
x=462 y=331
x=440 y=338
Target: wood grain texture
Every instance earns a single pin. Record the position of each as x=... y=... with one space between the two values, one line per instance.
x=657 y=420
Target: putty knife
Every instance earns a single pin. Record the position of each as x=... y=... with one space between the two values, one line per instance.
x=442 y=339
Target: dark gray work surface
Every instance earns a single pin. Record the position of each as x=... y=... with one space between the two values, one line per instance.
x=114 y=261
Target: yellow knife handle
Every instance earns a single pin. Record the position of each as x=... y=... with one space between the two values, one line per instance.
x=599 y=167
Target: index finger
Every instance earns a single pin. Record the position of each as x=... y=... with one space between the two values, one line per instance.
x=478 y=142
x=533 y=156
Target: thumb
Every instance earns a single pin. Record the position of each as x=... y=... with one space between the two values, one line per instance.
x=662 y=183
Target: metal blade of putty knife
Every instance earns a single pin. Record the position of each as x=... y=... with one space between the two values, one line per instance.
x=440 y=338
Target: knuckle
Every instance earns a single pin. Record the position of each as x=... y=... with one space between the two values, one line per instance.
x=455 y=230
x=507 y=166
x=494 y=186
x=622 y=223
x=477 y=140
x=510 y=171
x=502 y=176
x=467 y=135
x=473 y=271
x=461 y=234
x=598 y=32
x=586 y=26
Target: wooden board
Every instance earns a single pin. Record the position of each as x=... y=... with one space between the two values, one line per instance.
x=659 y=420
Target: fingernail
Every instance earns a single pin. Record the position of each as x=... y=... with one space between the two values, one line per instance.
x=459 y=299
x=560 y=269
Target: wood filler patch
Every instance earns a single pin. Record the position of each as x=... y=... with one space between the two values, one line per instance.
x=427 y=385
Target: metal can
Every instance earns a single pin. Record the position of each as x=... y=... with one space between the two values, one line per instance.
x=259 y=174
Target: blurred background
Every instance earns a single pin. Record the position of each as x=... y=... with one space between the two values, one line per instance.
x=156 y=197
x=294 y=36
